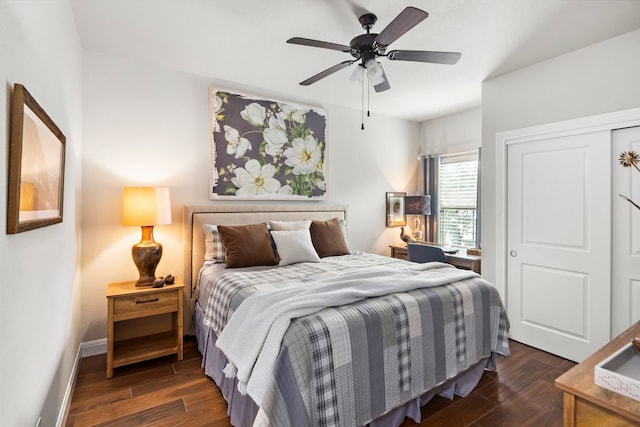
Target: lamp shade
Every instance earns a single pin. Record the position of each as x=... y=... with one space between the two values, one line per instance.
x=356 y=76
x=144 y=206
x=375 y=73
x=417 y=205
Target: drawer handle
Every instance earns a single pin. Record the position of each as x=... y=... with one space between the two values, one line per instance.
x=149 y=300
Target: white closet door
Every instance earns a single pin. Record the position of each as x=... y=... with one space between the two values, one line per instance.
x=559 y=243
x=626 y=235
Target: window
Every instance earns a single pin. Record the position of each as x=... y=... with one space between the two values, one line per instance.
x=457 y=199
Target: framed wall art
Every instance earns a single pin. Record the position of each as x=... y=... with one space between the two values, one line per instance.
x=266 y=149
x=36 y=166
x=396 y=216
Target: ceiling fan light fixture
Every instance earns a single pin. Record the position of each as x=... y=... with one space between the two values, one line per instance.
x=356 y=76
x=375 y=73
x=376 y=82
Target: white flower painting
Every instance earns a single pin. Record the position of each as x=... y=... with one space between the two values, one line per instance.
x=263 y=149
x=304 y=155
x=255 y=180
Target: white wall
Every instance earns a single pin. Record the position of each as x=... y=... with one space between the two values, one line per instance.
x=598 y=79
x=146 y=125
x=453 y=133
x=40 y=280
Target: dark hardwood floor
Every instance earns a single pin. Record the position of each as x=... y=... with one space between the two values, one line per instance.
x=164 y=392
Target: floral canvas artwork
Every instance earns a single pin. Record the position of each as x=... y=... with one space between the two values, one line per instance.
x=264 y=149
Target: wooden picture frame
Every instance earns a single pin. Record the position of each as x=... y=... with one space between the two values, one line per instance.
x=396 y=216
x=36 y=166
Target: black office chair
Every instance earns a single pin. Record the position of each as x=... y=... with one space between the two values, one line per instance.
x=425 y=253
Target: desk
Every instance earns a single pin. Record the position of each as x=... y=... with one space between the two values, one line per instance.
x=460 y=259
x=585 y=403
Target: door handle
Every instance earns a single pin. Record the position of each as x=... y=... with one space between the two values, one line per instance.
x=513 y=253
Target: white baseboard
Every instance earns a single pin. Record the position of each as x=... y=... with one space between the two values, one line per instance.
x=90 y=348
x=68 y=394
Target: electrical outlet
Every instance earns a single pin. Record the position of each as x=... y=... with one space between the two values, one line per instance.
x=39 y=422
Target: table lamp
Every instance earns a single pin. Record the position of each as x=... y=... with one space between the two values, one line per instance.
x=146 y=207
x=418 y=206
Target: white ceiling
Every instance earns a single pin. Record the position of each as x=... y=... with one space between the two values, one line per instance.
x=243 y=43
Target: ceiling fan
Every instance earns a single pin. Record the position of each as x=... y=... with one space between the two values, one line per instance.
x=365 y=48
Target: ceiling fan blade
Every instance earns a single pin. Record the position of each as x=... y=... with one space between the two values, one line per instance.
x=318 y=43
x=327 y=72
x=424 y=56
x=406 y=20
x=381 y=87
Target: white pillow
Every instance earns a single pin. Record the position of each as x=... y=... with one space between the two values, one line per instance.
x=294 y=246
x=290 y=225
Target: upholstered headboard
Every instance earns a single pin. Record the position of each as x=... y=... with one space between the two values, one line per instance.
x=194 y=217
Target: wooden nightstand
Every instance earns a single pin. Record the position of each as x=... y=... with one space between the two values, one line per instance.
x=399 y=252
x=126 y=302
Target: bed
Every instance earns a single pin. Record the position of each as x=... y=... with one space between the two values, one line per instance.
x=349 y=339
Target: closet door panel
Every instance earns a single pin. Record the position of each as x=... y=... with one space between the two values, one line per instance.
x=558 y=243
x=625 y=253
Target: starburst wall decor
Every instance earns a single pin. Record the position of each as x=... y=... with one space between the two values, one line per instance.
x=264 y=149
x=630 y=159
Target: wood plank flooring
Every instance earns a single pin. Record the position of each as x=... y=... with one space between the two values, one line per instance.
x=164 y=392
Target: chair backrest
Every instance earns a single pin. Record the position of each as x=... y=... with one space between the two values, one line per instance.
x=425 y=253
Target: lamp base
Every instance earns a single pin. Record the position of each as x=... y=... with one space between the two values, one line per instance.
x=146 y=256
x=417 y=230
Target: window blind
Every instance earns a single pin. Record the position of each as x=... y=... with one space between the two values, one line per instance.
x=458 y=189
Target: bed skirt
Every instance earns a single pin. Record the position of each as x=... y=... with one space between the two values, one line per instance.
x=242 y=409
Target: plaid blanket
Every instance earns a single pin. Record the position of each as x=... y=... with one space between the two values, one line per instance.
x=350 y=364
x=233 y=287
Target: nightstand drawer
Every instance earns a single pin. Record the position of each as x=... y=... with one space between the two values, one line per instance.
x=399 y=252
x=147 y=304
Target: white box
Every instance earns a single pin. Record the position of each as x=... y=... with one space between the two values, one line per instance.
x=620 y=372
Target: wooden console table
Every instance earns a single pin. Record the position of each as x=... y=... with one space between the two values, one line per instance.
x=460 y=259
x=585 y=403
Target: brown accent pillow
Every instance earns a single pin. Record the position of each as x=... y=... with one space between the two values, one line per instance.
x=247 y=245
x=328 y=238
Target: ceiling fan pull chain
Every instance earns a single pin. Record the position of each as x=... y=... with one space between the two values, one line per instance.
x=362 y=103
x=368 y=98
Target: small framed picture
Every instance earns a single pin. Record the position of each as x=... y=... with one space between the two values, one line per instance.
x=36 y=166
x=395 y=210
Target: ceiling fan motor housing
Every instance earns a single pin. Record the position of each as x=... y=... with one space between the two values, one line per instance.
x=364 y=44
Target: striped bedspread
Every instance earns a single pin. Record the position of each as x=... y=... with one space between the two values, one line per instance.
x=349 y=364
